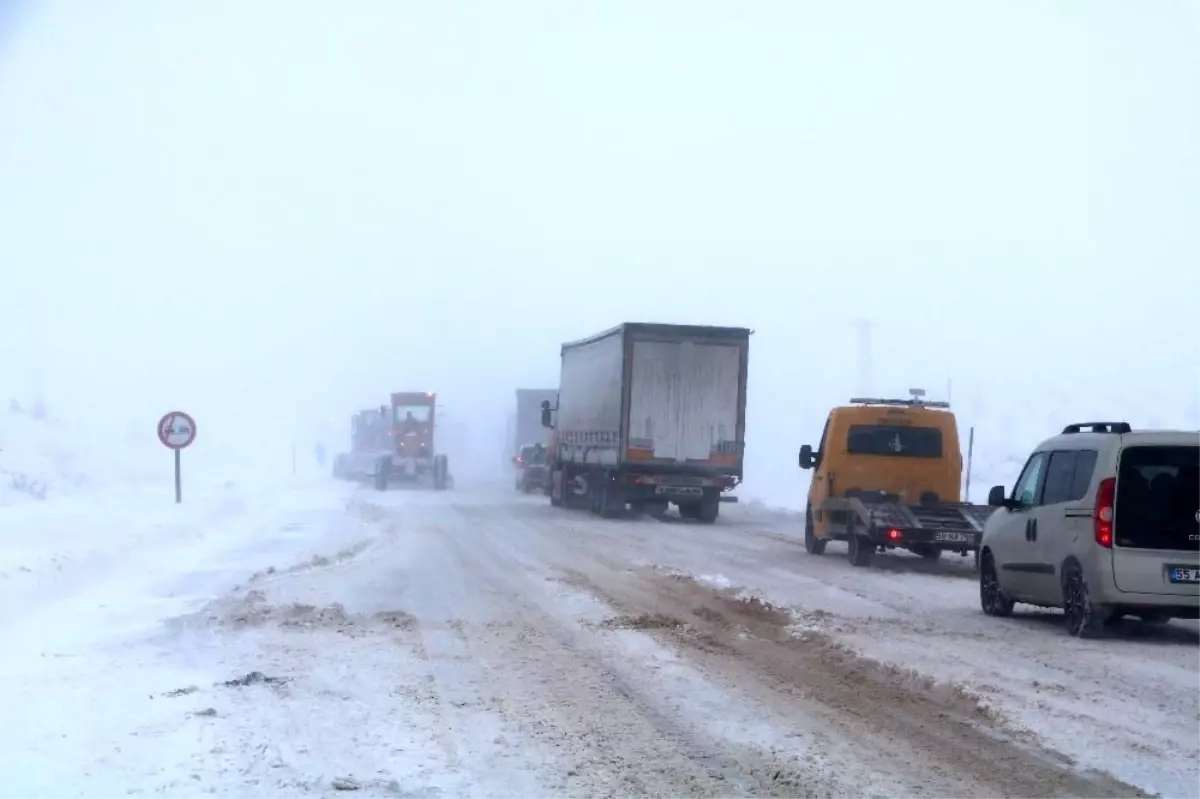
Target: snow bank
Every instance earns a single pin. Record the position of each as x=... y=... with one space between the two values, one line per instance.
x=43 y=457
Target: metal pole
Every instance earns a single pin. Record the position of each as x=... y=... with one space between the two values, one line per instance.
x=970 y=457
x=178 y=482
x=864 y=356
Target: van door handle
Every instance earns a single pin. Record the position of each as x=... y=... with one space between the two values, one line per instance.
x=1033 y=529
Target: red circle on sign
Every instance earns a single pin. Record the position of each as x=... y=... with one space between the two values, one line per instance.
x=176 y=430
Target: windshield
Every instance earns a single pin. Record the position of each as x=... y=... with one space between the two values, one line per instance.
x=894 y=441
x=412 y=413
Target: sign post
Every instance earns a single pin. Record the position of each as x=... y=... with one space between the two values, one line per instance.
x=177 y=430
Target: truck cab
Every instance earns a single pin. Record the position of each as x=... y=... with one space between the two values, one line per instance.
x=888 y=474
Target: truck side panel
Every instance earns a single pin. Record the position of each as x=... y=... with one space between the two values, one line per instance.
x=687 y=402
x=589 y=400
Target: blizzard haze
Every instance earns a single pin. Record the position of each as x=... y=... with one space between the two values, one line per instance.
x=272 y=214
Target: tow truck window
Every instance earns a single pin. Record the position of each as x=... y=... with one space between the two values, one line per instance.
x=420 y=413
x=899 y=442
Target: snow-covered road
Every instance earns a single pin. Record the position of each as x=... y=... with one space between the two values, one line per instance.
x=320 y=639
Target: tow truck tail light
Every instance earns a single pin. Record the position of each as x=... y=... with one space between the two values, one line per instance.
x=1102 y=516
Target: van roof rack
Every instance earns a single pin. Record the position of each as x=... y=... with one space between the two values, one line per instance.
x=1117 y=428
x=915 y=402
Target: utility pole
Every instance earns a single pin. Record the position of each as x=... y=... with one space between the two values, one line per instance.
x=864 y=356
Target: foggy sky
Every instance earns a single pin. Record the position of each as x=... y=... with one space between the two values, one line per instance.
x=287 y=210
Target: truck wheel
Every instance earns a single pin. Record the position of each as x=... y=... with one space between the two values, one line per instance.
x=441 y=468
x=612 y=501
x=812 y=544
x=556 y=500
x=861 y=550
x=381 y=475
x=708 y=509
x=689 y=510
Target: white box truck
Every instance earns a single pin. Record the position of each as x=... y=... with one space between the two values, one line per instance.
x=650 y=415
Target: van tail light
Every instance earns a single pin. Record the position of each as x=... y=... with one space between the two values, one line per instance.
x=1102 y=516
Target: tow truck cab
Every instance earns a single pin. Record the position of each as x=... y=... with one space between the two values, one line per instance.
x=901 y=451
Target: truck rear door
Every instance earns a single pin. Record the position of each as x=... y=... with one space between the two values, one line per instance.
x=684 y=402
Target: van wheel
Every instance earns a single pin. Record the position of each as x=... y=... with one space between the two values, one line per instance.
x=812 y=544
x=861 y=550
x=992 y=598
x=1084 y=618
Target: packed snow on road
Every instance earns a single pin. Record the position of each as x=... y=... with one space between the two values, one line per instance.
x=311 y=638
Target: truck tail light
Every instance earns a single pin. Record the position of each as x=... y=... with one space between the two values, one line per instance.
x=1102 y=516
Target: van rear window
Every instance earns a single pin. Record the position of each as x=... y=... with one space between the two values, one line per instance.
x=900 y=442
x=1158 y=498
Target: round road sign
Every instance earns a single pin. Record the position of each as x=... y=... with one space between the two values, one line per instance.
x=176 y=430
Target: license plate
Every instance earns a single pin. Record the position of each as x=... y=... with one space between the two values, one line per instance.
x=953 y=538
x=679 y=491
x=1183 y=574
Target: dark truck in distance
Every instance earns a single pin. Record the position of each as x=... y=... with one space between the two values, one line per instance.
x=649 y=415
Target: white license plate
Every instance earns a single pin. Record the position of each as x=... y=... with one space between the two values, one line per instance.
x=679 y=491
x=1183 y=574
x=953 y=538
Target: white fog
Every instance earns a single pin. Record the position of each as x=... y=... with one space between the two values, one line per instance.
x=272 y=215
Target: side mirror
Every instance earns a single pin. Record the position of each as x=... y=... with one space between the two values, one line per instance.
x=547 y=420
x=807 y=460
x=998 y=498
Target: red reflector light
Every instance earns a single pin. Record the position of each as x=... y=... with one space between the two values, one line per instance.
x=894 y=534
x=1102 y=516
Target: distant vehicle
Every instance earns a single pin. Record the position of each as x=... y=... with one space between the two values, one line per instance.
x=530 y=464
x=526 y=423
x=413 y=454
x=649 y=415
x=369 y=440
x=1103 y=522
x=887 y=474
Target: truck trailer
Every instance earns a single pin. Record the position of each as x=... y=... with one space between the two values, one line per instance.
x=649 y=415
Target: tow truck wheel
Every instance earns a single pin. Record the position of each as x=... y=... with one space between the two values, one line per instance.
x=927 y=552
x=708 y=509
x=381 y=477
x=861 y=549
x=812 y=544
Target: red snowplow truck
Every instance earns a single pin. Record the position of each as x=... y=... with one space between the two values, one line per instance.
x=368 y=440
x=412 y=453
